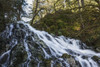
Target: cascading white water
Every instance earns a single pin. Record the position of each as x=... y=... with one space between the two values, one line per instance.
x=52 y=47
x=57 y=46
x=60 y=45
x=28 y=10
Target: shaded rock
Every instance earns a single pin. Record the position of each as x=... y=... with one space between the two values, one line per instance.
x=97 y=59
x=47 y=62
x=66 y=56
x=71 y=61
x=18 y=56
x=33 y=63
x=98 y=49
x=2 y=45
x=3 y=58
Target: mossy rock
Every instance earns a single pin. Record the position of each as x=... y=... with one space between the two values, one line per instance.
x=2 y=45
x=66 y=56
x=33 y=63
x=96 y=58
x=18 y=55
x=70 y=60
x=47 y=62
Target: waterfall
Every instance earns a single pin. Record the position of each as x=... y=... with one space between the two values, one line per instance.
x=28 y=10
x=49 y=46
x=27 y=47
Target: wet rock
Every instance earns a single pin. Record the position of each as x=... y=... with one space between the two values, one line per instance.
x=98 y=49
x=71 y=61
x=18 y=56
x=4 y=58
x=47 y=62
x=96 y=58
x=66 y=56
x=42 y=44
x=33 y=63
x=84 y=57
x=2 y=45
x=58 y=65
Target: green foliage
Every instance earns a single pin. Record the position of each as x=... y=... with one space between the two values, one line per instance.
x=10 y=11
x=84 y=25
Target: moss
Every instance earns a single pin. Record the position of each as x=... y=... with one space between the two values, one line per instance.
x=66 y=56
x=19 y=55
x=47 y=62
x=97 y=59
x=32 y=63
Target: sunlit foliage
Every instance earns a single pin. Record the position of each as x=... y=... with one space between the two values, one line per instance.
x=77 y=19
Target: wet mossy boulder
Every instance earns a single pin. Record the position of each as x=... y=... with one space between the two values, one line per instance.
x=97 y=59
x=47 y=62
x=70 y=60
x=66 y=56
x=33 y=63
x=2 y=45
x=18 y=56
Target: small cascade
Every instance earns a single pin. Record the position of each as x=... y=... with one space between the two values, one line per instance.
x=28 y=47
